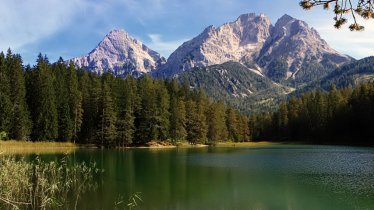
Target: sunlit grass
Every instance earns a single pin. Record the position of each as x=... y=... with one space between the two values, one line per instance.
x=243 y=144
x=28 y=147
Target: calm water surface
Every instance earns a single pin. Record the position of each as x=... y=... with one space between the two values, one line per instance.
x=266 y=177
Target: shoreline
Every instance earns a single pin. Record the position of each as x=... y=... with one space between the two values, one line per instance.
x=45 y=147
x=29 y=147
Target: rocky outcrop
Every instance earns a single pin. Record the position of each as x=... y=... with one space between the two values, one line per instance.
x=120 y=54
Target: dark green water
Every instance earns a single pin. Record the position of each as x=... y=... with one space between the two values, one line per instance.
x=268 y=177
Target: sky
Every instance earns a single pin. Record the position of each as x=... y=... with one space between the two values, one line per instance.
x=71 y=28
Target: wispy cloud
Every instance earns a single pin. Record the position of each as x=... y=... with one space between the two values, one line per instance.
x=356 y=44
x=164 y=47
x=24 y=22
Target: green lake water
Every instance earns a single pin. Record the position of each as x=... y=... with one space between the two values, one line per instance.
x=267 y=177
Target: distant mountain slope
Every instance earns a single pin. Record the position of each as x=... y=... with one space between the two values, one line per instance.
x=348 y=75
x=290 y=52
x=294 y=51
x=120 y=54
x=235 y=84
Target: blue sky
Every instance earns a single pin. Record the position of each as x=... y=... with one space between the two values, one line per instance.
x=71 y=28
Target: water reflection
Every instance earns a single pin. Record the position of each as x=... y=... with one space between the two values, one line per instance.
x=269 y=177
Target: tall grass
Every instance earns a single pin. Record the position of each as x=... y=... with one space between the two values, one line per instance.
x=28 y=147
x=44 y=185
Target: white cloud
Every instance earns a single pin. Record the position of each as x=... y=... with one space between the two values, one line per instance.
x=24 y=22
x=353 y=43
x=164 y=47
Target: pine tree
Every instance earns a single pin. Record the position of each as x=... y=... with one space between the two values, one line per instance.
x=162 y=111
x=45 y=121
x=146 y=122
x=62 y=102
x=5 y=99
x=85 y=87
x=107 y=131
x=127 y=104
x=195 y=122
x=245 y=132
x=177 y=119
x=217 y=130
x=75 y=101
x=21 y=123
x=232 y=125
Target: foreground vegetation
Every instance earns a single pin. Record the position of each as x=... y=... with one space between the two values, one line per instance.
x=43 y=185
x=343 y=116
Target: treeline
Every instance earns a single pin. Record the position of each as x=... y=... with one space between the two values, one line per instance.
x=344 y=116
x=56 y=102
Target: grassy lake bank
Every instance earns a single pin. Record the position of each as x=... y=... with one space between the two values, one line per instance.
x=29 y=147
x=45 y=147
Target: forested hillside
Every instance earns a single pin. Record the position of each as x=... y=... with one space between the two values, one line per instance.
x=355 y=73
x=344 y=116
x=237 y=85
x=55 y=102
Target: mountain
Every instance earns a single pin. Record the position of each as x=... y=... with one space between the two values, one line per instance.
x=294 y=50
x=290 y=49
x=236 y=84
x=236 y=41
x=120 y=54
x=352 y=74
x=248 y=63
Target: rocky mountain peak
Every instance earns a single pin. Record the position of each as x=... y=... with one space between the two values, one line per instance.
x=292 y=46
x=284 y=20
x=120 y=54
x=234 y=41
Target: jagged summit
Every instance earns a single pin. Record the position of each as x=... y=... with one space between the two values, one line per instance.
x=280 y=51
x=120 y=54
x=288 y=49
x=234 y=41
x=292 y=47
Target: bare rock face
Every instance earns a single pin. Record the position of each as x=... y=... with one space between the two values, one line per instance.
x=295 y=43
x=290 y=49
x=236 y=41
x=288 y=52
x=120 y=54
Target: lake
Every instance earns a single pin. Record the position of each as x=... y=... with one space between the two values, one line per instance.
x=265 y=177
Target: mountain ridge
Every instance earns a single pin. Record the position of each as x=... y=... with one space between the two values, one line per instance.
x=120 y=54
x=282 y=52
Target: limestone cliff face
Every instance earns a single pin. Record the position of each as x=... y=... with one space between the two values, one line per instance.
x=120 y=54
x=293 y=41
x=291 y=44
x=289 y=49
x=236 y=41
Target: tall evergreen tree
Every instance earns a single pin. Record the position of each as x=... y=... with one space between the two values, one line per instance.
x=162 y=110
x=75 y=101
x=245 y=132
x=107 y=131
x=217 y=130
x=232 y=124
x=195 y=122
x=5 y=99
x=45 y=121
x=177 y=119
x=21 y=124
x=127 y=102
x=146 y=116
x=62 y=102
